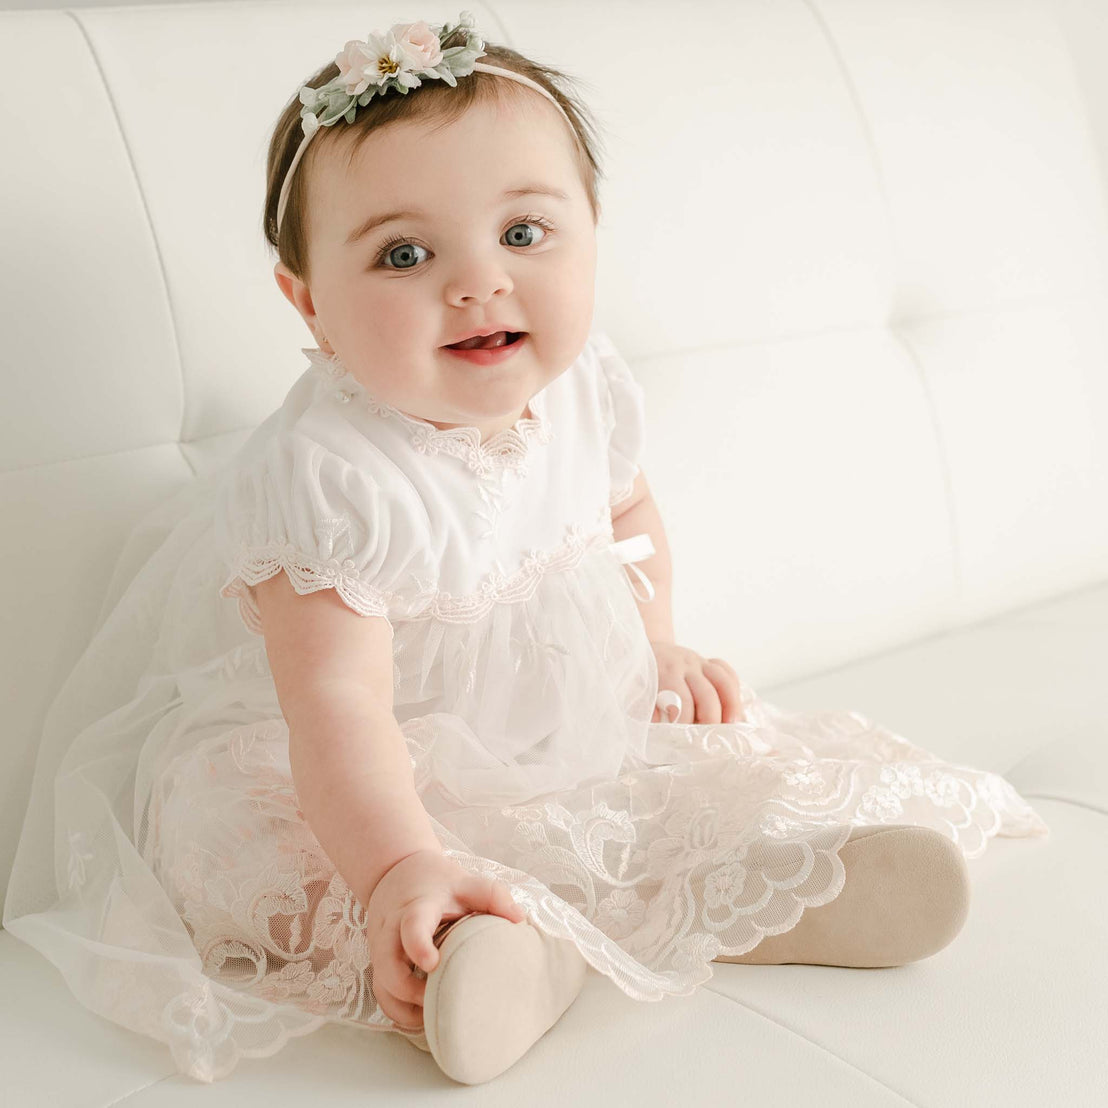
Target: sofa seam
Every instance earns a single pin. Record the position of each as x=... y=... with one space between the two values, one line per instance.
x=505 y=35
x=944 y=465
x=141 y=1089
x=1103 y=811
x=994 y=622
x=894 y=324
x=129 y=450
x=1001 y=306
x=808 y=1039
x=863 y=121
x=154 y=240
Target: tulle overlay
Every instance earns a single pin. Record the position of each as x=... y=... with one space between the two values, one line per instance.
x=191 y=901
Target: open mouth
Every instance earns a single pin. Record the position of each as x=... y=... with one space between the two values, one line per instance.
x=488 y=342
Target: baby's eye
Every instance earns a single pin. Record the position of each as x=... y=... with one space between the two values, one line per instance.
x=402 y=249
x=513 y=236
x=398 y=252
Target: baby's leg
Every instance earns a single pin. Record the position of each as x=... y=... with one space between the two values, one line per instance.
x=906 y=896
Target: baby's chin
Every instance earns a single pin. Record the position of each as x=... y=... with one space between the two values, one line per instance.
x=488 y=422
x=455 y=392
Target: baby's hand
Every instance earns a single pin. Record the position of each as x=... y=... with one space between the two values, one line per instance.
x=709 y=689
x=404 y=912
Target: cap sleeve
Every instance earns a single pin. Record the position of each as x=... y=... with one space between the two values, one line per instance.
x=624 y=404
x=300 y=507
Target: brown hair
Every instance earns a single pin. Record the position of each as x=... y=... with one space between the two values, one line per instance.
x=433 y=100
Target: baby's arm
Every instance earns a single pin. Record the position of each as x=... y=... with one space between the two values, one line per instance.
x=333 y=672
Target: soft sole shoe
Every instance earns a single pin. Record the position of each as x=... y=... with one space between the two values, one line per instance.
x=497 y=988
x=906 y=896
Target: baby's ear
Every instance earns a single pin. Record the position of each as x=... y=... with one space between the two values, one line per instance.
x=297 y=293
x=286 y=282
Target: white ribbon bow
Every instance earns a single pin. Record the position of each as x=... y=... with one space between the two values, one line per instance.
x=632 y=550
x=629 y=551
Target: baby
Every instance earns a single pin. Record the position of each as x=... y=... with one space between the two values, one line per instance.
x=442 y=248
x=430 y=777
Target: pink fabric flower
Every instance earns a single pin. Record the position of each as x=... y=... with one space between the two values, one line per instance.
x=358 y=67
x=419 y=42
x=399 y=53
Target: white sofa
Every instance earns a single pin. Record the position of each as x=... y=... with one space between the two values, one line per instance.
x=857 y=253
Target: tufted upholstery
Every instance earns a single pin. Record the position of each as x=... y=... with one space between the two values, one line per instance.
x=857 y=253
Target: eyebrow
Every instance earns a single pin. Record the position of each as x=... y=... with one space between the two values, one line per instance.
x=374 y=221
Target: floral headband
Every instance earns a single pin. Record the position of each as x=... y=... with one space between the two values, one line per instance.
x=396 y=59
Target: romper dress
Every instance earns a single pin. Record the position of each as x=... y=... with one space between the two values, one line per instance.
x=165 y=867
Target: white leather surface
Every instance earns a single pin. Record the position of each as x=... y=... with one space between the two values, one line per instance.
x=862 y=276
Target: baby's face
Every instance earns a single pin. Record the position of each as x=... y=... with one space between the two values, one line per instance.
x=468 y=257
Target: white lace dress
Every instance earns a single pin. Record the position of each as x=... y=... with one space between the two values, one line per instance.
x=165 y=867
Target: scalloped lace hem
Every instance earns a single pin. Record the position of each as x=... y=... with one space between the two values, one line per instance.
x=725 y=834
x=307 y=575
x=259 y=563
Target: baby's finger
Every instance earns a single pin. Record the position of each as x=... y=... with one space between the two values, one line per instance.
x=726 y=665
x=671 y=713
x=404 y=1013
x=400 y=981
x=506 y=905
x=409 y=1017
x=488 y=894
x=730 y=692
x=417 y=930
x=688 y=702
x=707 y=698
x=727 y=687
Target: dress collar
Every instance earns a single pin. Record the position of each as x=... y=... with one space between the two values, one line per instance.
x=508 y=448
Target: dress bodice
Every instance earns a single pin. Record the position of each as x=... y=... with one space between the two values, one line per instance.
x=514 y=620
x=407 y=520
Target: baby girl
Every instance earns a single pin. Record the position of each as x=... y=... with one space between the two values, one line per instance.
x=416 y=747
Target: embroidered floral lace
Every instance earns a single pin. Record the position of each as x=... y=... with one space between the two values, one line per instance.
x=167 y=870
x=505 y=449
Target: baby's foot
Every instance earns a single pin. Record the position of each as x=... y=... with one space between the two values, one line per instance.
x=906 y=896
x=497 y=988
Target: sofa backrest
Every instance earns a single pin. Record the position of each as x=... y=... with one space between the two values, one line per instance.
x=855 y=250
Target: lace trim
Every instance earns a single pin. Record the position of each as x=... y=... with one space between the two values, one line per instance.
x=256 y=564
x=740 y=851
x=508 y=448
x=306 y=574
x=501 y=588
x=730 y=838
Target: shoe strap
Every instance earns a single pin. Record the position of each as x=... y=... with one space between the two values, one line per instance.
x=447 y=926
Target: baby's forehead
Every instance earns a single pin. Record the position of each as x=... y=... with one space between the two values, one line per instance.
x=440 y=167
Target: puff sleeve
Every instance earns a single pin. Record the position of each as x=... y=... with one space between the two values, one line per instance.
x=298 y=506
x=623 y=402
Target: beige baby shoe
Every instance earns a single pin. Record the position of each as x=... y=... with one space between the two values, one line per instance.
x=498 y=987
x=906 y=896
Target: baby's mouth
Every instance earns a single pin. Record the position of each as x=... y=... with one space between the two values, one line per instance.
x=488 y=342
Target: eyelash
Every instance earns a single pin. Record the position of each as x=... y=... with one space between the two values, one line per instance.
x=539 y=220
